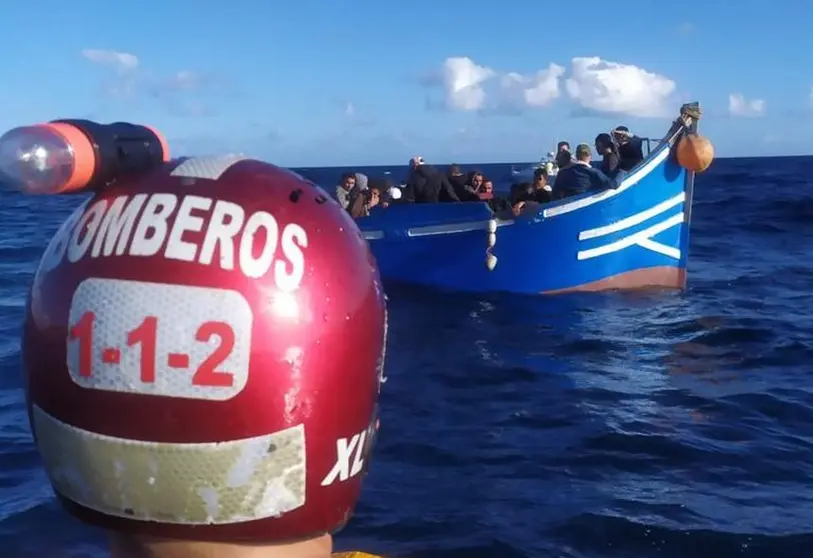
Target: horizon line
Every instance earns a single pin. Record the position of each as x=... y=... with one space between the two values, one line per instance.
x=349 y=166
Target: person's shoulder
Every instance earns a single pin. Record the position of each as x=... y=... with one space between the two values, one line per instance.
x=565 y=172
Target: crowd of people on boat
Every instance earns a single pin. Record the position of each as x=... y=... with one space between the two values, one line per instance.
x=570 y=173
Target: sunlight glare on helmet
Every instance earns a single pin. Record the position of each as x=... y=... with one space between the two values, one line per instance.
x=285 y=305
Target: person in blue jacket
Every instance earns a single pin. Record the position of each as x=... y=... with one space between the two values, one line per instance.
x=581 y=176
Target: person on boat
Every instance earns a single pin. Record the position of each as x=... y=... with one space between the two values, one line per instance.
x=238 y=425
x=564 y=158
x=542 y=192
x=361 y=181
x=528 y=194
x=460 y=183
x=581 y=177
x=523 y=198
x=609 y=153
x=426 y=185
x=486 y=190
x=344 y=192
x=475 y=181
x=372 y=197
x=630 y=148
x=521 y=191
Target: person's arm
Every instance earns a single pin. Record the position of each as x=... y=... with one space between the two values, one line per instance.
x=601 y=181
x=612 y=165
x=447 y=187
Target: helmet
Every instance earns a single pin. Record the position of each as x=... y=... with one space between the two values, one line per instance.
x=203 y=351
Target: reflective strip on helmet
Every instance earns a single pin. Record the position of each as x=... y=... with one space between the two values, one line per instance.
x=210 y=168
x=191 y=484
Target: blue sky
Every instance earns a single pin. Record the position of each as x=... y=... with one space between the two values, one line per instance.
x=341 y=82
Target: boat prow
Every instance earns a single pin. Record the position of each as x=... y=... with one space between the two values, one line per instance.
x=634 y=236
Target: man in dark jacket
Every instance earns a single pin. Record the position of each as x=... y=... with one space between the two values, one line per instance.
x=426 y=185
x=460 y=183
x=581 y=177
x=630 y=148
x=608 y=150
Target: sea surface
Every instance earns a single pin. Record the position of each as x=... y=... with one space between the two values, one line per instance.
x=655 y=424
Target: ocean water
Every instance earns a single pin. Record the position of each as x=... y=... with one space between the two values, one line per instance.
x=606 y=425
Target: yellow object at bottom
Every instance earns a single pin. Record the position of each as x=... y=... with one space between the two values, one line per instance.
x=354 y=555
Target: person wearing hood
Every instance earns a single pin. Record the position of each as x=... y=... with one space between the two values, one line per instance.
x=461 y=184
x=426 y=185
x=361 y=181
x=630 y=148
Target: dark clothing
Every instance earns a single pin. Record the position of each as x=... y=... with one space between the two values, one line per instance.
x=358 y=206
x=461 y=186
x=498 y=204
x=540 y=195
x=527 y=193
x=630 y=153
x=609 y=165
x=580 y=178
x=426 y=185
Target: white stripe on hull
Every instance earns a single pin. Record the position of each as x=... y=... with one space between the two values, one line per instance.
x=641 y=238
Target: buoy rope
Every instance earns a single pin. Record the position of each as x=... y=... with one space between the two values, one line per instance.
x=692 y=110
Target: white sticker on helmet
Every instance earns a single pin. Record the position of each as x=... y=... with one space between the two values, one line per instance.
x=159 y=339
x=193 y=484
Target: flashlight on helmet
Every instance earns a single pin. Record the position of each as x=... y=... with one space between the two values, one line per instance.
x=67 y=156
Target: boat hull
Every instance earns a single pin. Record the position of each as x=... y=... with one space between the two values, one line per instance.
x=634 y=236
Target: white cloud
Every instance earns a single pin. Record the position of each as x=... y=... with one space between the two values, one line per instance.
x=594 y=84
x=463 y=83
x=122 y=61
x=536 y=90
x=612 y=87
x=182 y=93
x=738 y=105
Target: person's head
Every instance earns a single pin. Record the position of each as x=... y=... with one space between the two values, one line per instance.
x=454 y=170
x=540 y=177
x=375 y=195
x=487 y=187
x=361 y=180
x=348 y=181
x=621 y=134
x=583 y=153
x=604 y=144
x=562 y=146
x=563 y=159
x=476 y=179
x=188 y=378
x=415 y=162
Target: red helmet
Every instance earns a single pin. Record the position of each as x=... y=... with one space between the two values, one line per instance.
x=203 y=353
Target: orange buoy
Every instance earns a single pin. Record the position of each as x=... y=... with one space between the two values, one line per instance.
x=694 y=152
x=354 y=555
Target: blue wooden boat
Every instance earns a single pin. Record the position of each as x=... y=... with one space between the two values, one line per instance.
x=634 y=236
